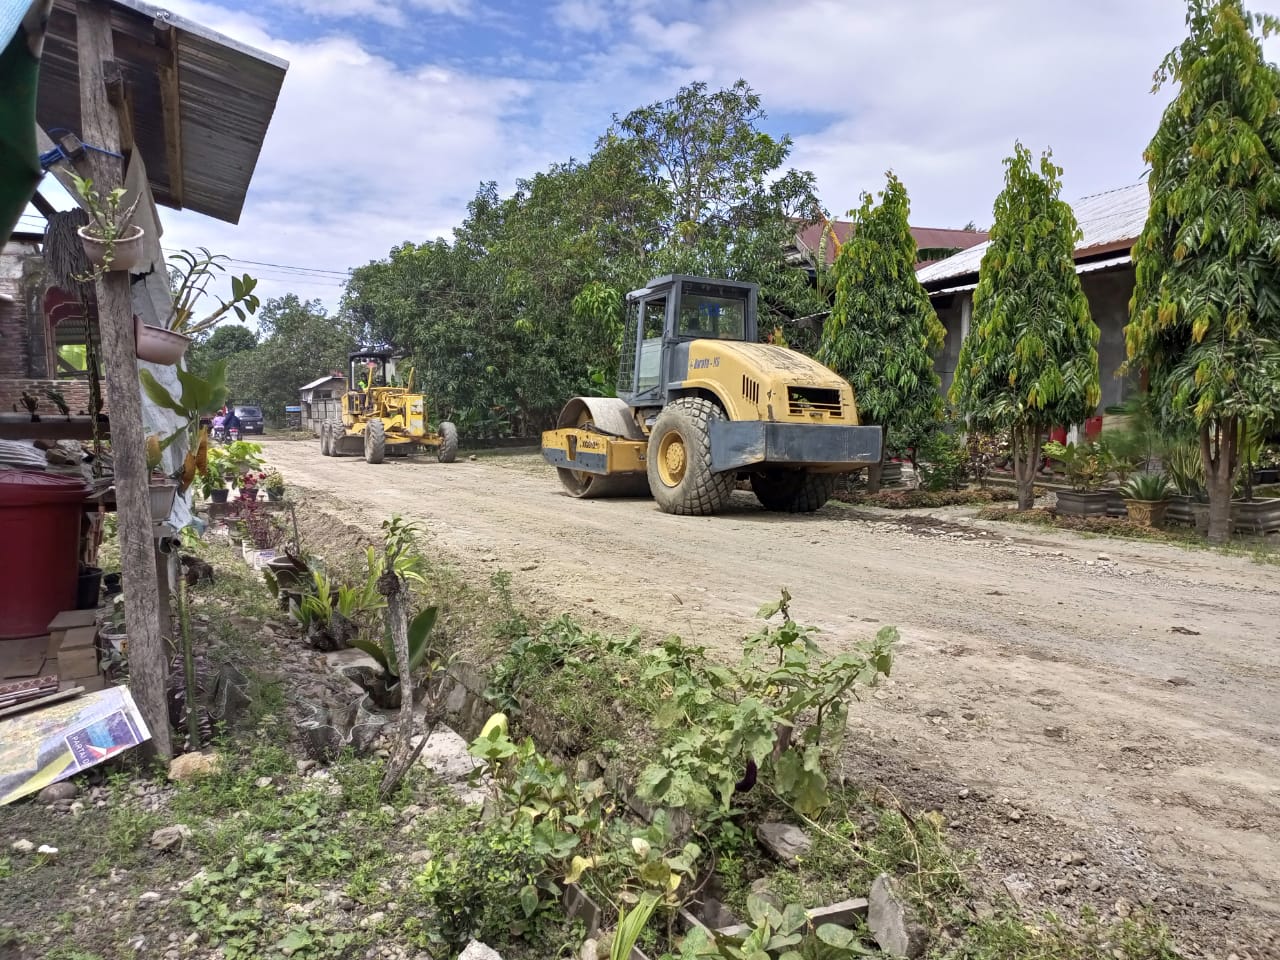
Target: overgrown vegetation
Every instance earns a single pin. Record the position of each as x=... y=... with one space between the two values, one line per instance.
x=923 y=499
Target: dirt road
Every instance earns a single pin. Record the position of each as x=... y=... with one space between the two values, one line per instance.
x=1101 y=719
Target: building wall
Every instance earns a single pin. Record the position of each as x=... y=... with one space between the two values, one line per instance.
x=76 y=393
x=950 y=312
x=1108 y=293
x=22 y=348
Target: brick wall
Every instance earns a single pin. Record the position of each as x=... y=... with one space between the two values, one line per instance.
x=76 y=392
x=15 y=335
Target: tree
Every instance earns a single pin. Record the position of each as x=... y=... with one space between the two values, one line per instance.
x=1205 y=313
x=299 y=342
x=224 y=342
x=1031 y=358
x=883 y=333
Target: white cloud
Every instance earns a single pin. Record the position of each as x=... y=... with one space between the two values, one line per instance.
x=363 y=154
x=585 y=16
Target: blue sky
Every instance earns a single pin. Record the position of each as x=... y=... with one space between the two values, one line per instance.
x=394 y=111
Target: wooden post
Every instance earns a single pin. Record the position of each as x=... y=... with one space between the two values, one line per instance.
x=100 y=127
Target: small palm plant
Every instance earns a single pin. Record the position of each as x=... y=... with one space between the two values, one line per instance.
x=1146 y=496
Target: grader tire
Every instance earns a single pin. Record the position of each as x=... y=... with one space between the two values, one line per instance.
x=448 y=449
x=336 y=431
x=792 y=491
x=325 y=451
x=375 y=441
x=679 y=460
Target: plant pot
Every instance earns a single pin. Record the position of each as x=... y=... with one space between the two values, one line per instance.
x=88 y=588
x=162 y=496
x=1083 y=503
x=1147 y=513
x=111 y=583
x=288 y=577
x=219 y=496
x=1255 y=516
x=248 y=493
x=1265 y=475
x=116 y=640
x=1180 y=509
x=126 y=251
x=158 y=345
x=275 y=495
x=1116 y=504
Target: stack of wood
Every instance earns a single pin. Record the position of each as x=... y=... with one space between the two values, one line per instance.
x=35 y=671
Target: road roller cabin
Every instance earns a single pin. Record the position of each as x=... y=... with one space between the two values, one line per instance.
x=701 y=404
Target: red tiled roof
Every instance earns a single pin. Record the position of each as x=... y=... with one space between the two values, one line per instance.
x=927 y=238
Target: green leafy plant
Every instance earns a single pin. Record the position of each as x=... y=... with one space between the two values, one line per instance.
x=190 y=275
x=786 y=934
x=1086 y=465
x=1031 y=358
x=1149 y=487
x=384 y=653
x=198 y=396
x=770 y=716
x=109 y=218
x=274 y=483
x=942 y=461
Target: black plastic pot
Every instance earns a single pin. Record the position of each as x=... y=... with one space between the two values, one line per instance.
x=111 y=584
x=88 y=588
x=219 y=496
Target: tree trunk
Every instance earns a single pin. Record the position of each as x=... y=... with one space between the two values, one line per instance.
x=1219 y=450
x=397 y=619
x=147 y=656
x=1026 y=456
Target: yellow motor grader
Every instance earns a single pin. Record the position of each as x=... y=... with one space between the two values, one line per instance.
x=701 y=404
x=379 y=419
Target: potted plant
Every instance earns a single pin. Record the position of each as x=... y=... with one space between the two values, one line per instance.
x=163 y=490
x=237 y=530
x=189 y=277
x=1268 y=465
x=110 y=239
x=213 y=486
x=273 y=483
x=1186 y=470
x=1251 y=514
x=199 y=396
x=248 y=484
x=1146 y=497
x=1086 y=467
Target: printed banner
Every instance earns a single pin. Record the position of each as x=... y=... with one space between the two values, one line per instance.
x=58 y=741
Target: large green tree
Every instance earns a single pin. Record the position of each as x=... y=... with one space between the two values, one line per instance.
x=1031 y=358
x=225 y=341
x=1206 y=305
x=883 y=333
x=522 y=308
x=298 y=342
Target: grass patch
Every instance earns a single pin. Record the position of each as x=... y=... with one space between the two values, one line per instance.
x=924 y=499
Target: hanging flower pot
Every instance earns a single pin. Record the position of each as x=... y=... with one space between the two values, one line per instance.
x=158 y=345
x=124 y=252
x=163 y=493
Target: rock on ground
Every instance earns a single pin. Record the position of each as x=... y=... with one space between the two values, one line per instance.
x=890 y=921
x=784 y=841
x=476 y=950
x=66 y=790
x=191 y=766
x=166 y=838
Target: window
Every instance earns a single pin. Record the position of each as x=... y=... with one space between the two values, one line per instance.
x=653 y=315
x=709 y=311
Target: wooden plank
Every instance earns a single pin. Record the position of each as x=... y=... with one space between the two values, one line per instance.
x=100 y=125
x=68 y=694
x=43 y=205
x=69 y=619
x=170 y=106
x=50 y=426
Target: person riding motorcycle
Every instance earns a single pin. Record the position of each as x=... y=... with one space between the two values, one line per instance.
x=232 y=422
x=217 y=427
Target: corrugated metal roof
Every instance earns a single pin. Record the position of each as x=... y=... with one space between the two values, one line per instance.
x=325 y=379
x=227 y=93
x=1110 y=220
x=1088 y=266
